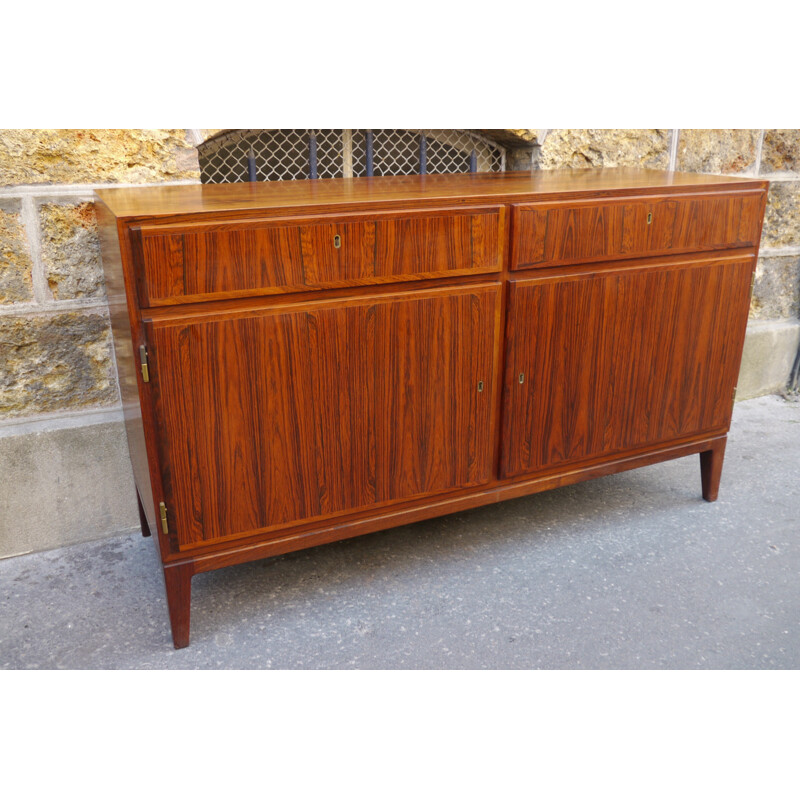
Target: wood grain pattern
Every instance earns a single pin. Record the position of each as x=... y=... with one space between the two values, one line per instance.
x=164 y=261
x=620 y=359
x=554 y=234
x=324 y=264
x=216 y=201
x=314 y=412
x=190 y=262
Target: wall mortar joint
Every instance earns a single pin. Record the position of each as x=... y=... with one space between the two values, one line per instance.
x=30 y=219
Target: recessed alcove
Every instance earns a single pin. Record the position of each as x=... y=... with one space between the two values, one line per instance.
x=286 y=153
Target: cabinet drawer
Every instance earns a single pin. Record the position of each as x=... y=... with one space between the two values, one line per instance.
x=205 y=261
x=554 y=234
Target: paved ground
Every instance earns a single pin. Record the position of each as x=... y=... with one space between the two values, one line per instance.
x=629 y=571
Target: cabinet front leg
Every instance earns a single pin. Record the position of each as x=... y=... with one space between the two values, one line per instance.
x=711 y=469
x=178 y=581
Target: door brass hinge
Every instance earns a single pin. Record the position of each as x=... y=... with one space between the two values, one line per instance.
x=162 y=510
x=145 y=364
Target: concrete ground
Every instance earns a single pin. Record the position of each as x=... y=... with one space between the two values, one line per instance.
x=629 y=571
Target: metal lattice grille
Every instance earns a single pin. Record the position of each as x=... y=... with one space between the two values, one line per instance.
x=396 y=152
x=283 y=154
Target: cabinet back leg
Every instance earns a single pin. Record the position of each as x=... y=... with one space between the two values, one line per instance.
x=711 y=469
x=178 y=581
x=142 y=516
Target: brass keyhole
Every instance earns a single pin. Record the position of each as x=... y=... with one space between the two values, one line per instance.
x=522 y=377
x=480 y=386
x=337 y=241
x=649 y=217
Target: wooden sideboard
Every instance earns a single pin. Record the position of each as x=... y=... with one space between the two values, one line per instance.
x=306 y=361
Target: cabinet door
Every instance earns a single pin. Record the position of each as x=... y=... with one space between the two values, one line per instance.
x=618 y=359
x=271 y=417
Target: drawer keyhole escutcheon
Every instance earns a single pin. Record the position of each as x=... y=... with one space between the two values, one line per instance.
x=337 y=241
x=649 y=217
x=522 y=377
x=480 y=386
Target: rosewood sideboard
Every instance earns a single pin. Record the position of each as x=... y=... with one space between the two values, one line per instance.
x=307 y=361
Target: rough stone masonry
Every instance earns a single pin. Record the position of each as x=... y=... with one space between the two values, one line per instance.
x=56 y=355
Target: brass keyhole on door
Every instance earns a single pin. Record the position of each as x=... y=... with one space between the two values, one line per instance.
x=649 y=217
x=337 y=241
x=480 y=386
x=522 y=377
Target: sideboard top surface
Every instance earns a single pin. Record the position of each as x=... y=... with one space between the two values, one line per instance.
x=143 y=203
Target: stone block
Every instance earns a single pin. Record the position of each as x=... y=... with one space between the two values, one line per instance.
x=210 y=133
x=782 y=218
x=71 y=250
x=96 y=156
x=15 y=261
x=770 y=348
x=572 y=148
x=510 y=137
x=519 y=159
x=717 y=151
x=55 y=362
x=781 y=151
x=70 y=484
x=776 y=292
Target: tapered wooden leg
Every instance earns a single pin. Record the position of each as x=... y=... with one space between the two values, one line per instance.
x=711 y=469
x=178 y=580
x=142 y=516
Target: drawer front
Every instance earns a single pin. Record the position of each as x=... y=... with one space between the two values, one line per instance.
x=555 y=234
x=207 y=261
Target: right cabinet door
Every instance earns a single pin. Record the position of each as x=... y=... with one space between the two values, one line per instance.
x=617 y=359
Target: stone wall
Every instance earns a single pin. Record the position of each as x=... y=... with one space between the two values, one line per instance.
x=60 y=417
x=63 y=456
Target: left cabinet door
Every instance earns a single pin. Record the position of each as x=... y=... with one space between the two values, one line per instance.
x=271 y=417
